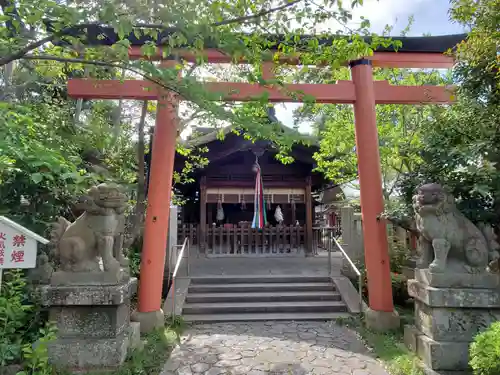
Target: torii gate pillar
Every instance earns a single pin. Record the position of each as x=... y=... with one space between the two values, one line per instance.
x=149 y=312
x=381 y=314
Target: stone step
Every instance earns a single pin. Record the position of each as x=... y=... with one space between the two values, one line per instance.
x=263 y=297
x=243 y=279
x=264 y=307
x=261 y=287
x=303 y=316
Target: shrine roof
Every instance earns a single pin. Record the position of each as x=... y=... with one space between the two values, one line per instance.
x=207 y=135
x=97 y=35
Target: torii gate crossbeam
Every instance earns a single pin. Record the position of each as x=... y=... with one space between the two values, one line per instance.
x=363 y=92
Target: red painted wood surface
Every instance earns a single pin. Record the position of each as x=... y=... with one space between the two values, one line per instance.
x=379 y=59
x=371 y=196
x=342 y=92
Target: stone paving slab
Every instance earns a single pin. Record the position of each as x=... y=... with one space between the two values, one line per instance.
x=271 y=348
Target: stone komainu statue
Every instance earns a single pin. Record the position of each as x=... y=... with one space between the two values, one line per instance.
x=96 y=234
x=448 y=240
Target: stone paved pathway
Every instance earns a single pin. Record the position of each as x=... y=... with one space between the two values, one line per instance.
x=271 y=348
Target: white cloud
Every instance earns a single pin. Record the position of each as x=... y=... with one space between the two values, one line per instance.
x=380 y=13
x=386 y=12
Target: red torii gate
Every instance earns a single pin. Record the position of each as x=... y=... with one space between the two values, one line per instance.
x=363 y=92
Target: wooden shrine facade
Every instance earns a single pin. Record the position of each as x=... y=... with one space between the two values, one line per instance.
x=220 y=203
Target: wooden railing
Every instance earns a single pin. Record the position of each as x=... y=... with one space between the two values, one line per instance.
x=191 y=231
x=272 y=240
x=323 y=237
x=236 y=240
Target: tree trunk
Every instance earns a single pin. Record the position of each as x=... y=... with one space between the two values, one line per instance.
x=8 y=91
x=496 y=204
x=140 y=206
x=117 y=121
x=141 y=171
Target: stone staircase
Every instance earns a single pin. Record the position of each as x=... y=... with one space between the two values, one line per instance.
x=254 y=298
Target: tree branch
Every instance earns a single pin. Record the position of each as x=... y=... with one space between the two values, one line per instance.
x=23 y=51
x=218 y=114
x=32 y=46
x=406 y=223
x=260 y=14
x=101 y=63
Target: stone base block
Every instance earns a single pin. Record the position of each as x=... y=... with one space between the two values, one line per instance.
x=134 y=334
x=483 y=280
x=410 y=337
x=382 y=321
x=89 y=278
x=408 y=272
x=149 y=321
x=438 y=355
x=452 y=324
x=88 y=295
x=80 y=353
x=451 y=297
x=91 y=321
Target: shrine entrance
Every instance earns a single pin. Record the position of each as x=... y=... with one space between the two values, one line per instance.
x=218 y=215
x=362 y=91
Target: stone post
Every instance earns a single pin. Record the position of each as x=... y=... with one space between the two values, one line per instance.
x=93 y=323
x=88 y=294
x=171 y=240
x=450 y=309
x=352 y=238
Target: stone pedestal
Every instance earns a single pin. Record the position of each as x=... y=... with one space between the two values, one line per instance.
x=93 y=323
x=450 y=309
x=408 y=269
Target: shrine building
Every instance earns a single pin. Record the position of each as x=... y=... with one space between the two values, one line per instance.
x=220 y=204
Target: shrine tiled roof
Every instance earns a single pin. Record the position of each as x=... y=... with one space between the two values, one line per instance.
x=97 y=35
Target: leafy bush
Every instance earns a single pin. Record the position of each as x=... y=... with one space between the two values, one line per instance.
x=20 y=320
x=389 y=348
x=485 y=351
x=36 y=356
x=399 y=255
x=399 y=288
x=134 y=256
x=39 y=164
x=152 y=357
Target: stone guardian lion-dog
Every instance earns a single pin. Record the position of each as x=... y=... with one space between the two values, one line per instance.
x=94 y=235
x=448 y=240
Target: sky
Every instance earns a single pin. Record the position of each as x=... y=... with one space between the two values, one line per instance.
x=430 y=17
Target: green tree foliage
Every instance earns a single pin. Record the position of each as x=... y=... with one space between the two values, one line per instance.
x=46 y=162
x=485 y=351
x=478 y=62
x=399 y=128
x=460 y=144
x=20 y=318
